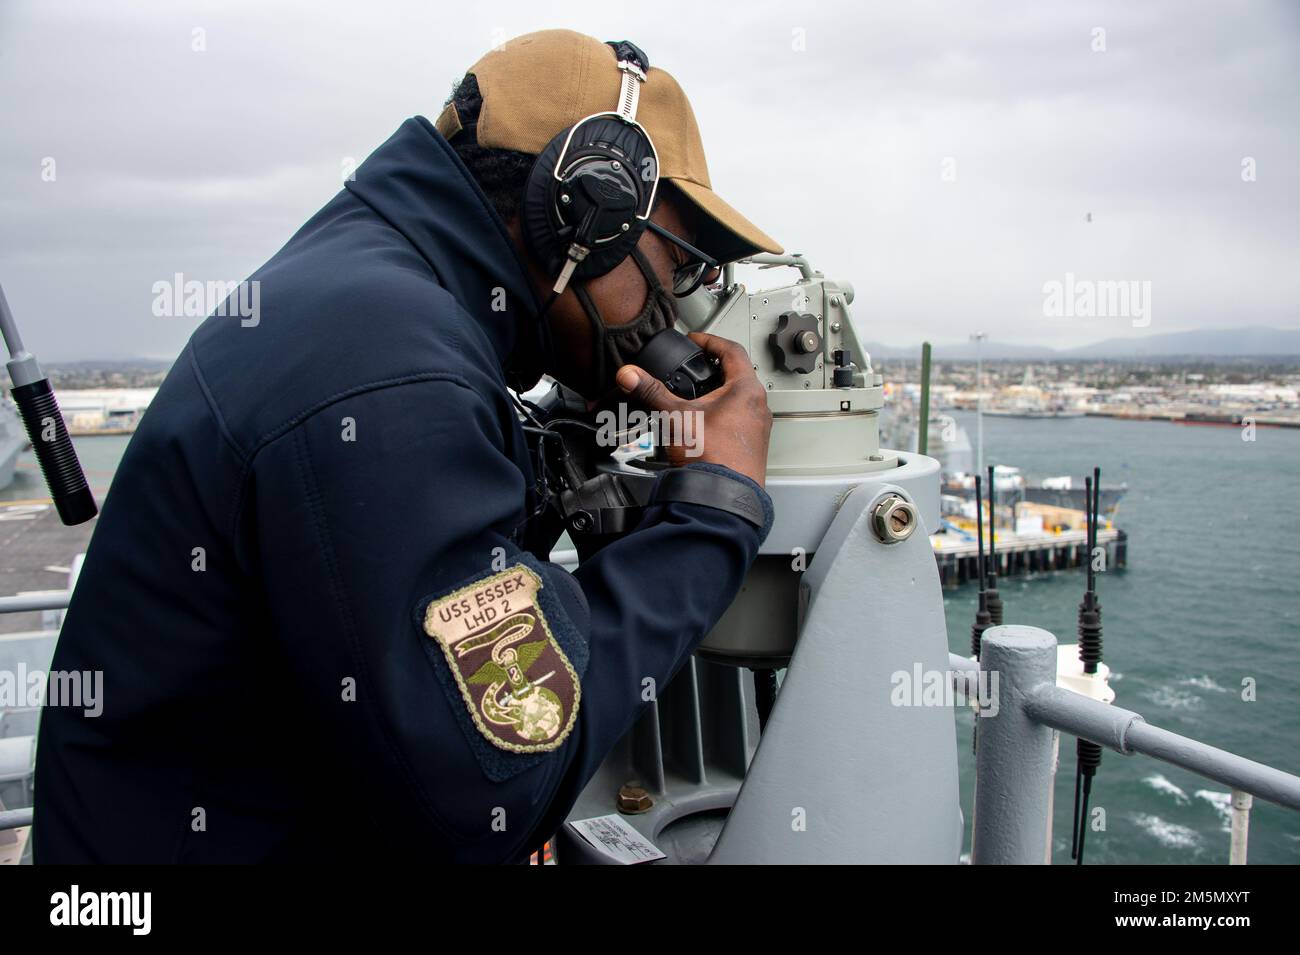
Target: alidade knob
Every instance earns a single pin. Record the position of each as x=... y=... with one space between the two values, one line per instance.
x=796 y=342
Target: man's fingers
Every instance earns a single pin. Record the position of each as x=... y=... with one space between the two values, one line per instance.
x=734 y=358
x=647 y=389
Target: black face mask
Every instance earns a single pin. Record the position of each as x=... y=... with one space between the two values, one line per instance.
x=614 y=346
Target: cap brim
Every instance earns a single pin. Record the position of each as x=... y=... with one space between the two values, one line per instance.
x=723 y=232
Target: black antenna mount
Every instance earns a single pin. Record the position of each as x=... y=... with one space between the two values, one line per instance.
x=45 y=427
x=994 y=598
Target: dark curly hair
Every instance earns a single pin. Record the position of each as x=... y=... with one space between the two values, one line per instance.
x=501 y=173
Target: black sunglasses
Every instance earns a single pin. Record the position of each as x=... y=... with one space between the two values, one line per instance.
x=699 y=269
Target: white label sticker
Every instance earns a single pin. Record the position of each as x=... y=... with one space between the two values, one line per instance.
x=612 y=836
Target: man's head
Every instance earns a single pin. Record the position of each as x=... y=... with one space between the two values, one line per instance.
x=509 y=107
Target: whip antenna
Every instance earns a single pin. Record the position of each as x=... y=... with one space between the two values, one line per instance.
x=1087 y=753
x=982 y=618
x=994 y=598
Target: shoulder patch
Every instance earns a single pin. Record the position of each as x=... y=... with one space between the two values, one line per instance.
x=521 y=690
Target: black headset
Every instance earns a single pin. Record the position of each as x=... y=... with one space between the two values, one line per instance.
x=590 y=191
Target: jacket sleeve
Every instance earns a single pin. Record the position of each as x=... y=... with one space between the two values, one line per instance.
x=383 y=505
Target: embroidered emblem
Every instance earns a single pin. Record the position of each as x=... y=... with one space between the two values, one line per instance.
x=521 y=690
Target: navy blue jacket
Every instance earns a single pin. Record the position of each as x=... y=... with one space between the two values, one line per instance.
x=298 y=492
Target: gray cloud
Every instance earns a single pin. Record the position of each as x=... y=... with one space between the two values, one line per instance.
x=170 y=160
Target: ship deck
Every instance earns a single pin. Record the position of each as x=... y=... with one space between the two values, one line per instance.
x=36 y=553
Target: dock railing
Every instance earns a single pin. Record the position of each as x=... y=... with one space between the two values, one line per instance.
x=1015 y=752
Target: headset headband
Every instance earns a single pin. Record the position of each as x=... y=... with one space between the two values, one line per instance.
x=600 y=155
x=629 y=91
x=629 y=96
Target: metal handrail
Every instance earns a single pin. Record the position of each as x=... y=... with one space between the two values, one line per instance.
x=1014 y=760
x=15 y=818
x=45 y=600
x=23 y=603
x=1076 y=714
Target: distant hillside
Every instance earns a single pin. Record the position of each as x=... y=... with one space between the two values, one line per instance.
x=1218 y=343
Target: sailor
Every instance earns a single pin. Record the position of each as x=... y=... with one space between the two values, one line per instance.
x=319 y=591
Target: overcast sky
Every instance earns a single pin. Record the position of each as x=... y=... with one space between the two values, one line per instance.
x=828 y=124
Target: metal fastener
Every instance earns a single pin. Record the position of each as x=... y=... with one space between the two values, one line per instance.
x=894 y=519
x=634 y=800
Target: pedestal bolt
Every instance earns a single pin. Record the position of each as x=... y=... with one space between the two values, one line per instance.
x=894 y=519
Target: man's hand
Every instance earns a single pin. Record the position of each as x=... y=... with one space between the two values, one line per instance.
x=736 y=421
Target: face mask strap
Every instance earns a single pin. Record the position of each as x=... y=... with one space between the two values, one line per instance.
x=604 y=335
x=651 y=278
x=597 y=331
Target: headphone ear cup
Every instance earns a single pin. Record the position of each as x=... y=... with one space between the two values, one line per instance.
x=536 y=211
x=602 y=139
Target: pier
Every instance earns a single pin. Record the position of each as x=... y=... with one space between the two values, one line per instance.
x=1020 y=554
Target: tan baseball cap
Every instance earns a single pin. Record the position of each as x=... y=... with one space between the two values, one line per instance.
x=539 y=84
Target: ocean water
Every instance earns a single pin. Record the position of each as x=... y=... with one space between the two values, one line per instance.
x=1210 y=598
x=99 y=456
